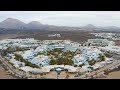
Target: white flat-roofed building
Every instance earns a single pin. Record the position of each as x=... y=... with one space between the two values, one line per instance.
x=23 y=43
x=30 y=69
x=51 y=41
x=17 y=64
x=85 y=68
x=39 y=60
x=113 y=49
x=88 y=53
x=100 y=42
x=67 y=41
x=40 y=48
x=59 y=46
x=68 y=67
x=54 y=35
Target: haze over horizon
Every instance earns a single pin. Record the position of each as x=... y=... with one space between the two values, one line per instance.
x=66 y=18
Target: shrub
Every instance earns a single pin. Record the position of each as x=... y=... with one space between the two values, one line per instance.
x=75 y=65
x=0 y=62
x=106 y=72
x=81 y=65
x=108 y=55
x=92 y=62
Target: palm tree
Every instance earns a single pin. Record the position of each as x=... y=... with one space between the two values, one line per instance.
x=102 y=58
x=52 y=62
x=75 y=65
x=81 y=65
x=91 y=62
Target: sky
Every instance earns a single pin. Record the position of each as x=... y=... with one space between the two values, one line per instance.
x=66 y=18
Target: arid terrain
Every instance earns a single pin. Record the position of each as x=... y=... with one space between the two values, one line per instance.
x=4 y=74
x=113 y=75
x=7 y=36
x=78 y=36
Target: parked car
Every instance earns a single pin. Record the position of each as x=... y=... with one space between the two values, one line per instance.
x=109 y=62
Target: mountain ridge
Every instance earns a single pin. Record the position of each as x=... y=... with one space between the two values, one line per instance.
x=11 y=23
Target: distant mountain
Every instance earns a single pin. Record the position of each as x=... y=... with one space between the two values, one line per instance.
x=11 y=23
x=34 y=25
x=111 y=27
x=89 y=26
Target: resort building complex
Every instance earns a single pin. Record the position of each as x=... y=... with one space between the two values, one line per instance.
x=43 y=56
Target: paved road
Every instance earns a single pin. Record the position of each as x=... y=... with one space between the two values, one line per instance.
x=115 y=64
x=11 y=68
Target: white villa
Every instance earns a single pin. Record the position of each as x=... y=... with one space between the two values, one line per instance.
x=39 y=60
x=23 y=43
x=100 y=42
x=87 y=54
x=113 y=49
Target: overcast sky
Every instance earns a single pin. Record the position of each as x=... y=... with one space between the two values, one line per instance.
x=66 y=18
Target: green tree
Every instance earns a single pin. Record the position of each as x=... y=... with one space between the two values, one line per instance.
x=106 y=71
x=61 y=57
x=102 y=58
x=4 y=53
x=108 y=55
x=81 y=65
x=92 y=62
x=19 y=49
x=52 y=62
x=75 y=65
x=70 y=62
x=0 y=62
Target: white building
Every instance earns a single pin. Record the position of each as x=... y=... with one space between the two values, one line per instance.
x=100 y=42
x=88 y=53
x=113 y=49
x=54 y=35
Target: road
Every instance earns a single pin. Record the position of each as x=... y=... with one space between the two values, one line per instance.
x=114 y=65
x=11 y=68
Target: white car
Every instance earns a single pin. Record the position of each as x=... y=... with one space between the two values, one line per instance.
x=109 y=62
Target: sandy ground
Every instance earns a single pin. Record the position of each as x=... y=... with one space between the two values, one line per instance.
x=7 y=36
x=4 y=74
x=62 y=75
x=113 y=75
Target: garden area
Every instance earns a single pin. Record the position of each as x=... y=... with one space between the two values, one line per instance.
x=59 y=57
